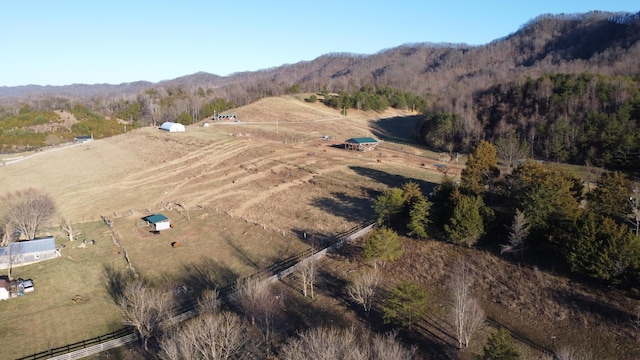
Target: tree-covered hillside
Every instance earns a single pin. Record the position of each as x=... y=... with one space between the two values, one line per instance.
x=579 y=118
x=33 y=129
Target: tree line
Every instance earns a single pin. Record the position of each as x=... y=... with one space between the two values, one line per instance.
x=374 y=98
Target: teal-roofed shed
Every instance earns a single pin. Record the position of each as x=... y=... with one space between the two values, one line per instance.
x=361 y=144
x=158 y=222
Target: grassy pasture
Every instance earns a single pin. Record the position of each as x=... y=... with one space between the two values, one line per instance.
x=48 y=317
x=215 y=250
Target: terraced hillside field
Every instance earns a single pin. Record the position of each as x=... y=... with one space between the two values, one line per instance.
x=272 y=166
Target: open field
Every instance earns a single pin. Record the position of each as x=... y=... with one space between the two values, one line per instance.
x=252 y=189
x=249 y=168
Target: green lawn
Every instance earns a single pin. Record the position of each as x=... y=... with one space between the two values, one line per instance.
x=215 y=249
x=49 y=311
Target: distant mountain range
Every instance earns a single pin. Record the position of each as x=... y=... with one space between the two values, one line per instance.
x=598 y=42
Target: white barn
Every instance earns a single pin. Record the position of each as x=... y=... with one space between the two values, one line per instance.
x=172 y=127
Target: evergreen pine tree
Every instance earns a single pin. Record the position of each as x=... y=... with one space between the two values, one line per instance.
x=499 y=347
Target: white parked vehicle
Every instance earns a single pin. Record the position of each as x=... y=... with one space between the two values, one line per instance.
x=25 y=286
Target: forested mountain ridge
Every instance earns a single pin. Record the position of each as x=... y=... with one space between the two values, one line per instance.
x=600 y=42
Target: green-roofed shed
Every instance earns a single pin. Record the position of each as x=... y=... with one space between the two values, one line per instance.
x=361 y=143
x=158 y=222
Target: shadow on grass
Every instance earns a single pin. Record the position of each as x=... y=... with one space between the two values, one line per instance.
x=282 y=263
x=316 y=240
x=430 y=346
x=352 y=208
x=242 y=255
x=606 y=312
x=206 y=273
x=116 y=280
x=351 y=252
x=304 y=312
x=392 y=180
x=401 y=129
x=333 y=284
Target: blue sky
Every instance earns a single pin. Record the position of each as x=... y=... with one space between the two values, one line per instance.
x=62 y=42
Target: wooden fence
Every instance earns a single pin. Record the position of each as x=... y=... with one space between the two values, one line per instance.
x=126 y=336
x=89 y=347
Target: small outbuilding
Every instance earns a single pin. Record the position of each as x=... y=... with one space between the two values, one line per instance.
x=158 y=222
x=172 y=127
x=361 y=144
x=28 y=252
x=5 y=289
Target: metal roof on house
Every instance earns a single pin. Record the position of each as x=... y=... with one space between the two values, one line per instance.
x=155 y=218
x=363 y=140
x=30 y=246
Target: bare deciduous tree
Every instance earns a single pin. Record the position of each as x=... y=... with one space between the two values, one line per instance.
x=67 y=227
x=26 y=210
x=209 y=301
x=307 y=272
x=146 y=309
x=510 y=149
x=333 y=343
x=255 y=297
x=7 y=234
x=210 y=336
x=468 y=317
x=364 y=288
x=517 y=234
x=8 y=237
x=323 y=343
x=387 y=347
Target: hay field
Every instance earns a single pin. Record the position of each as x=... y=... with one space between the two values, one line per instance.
x=258 y=169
